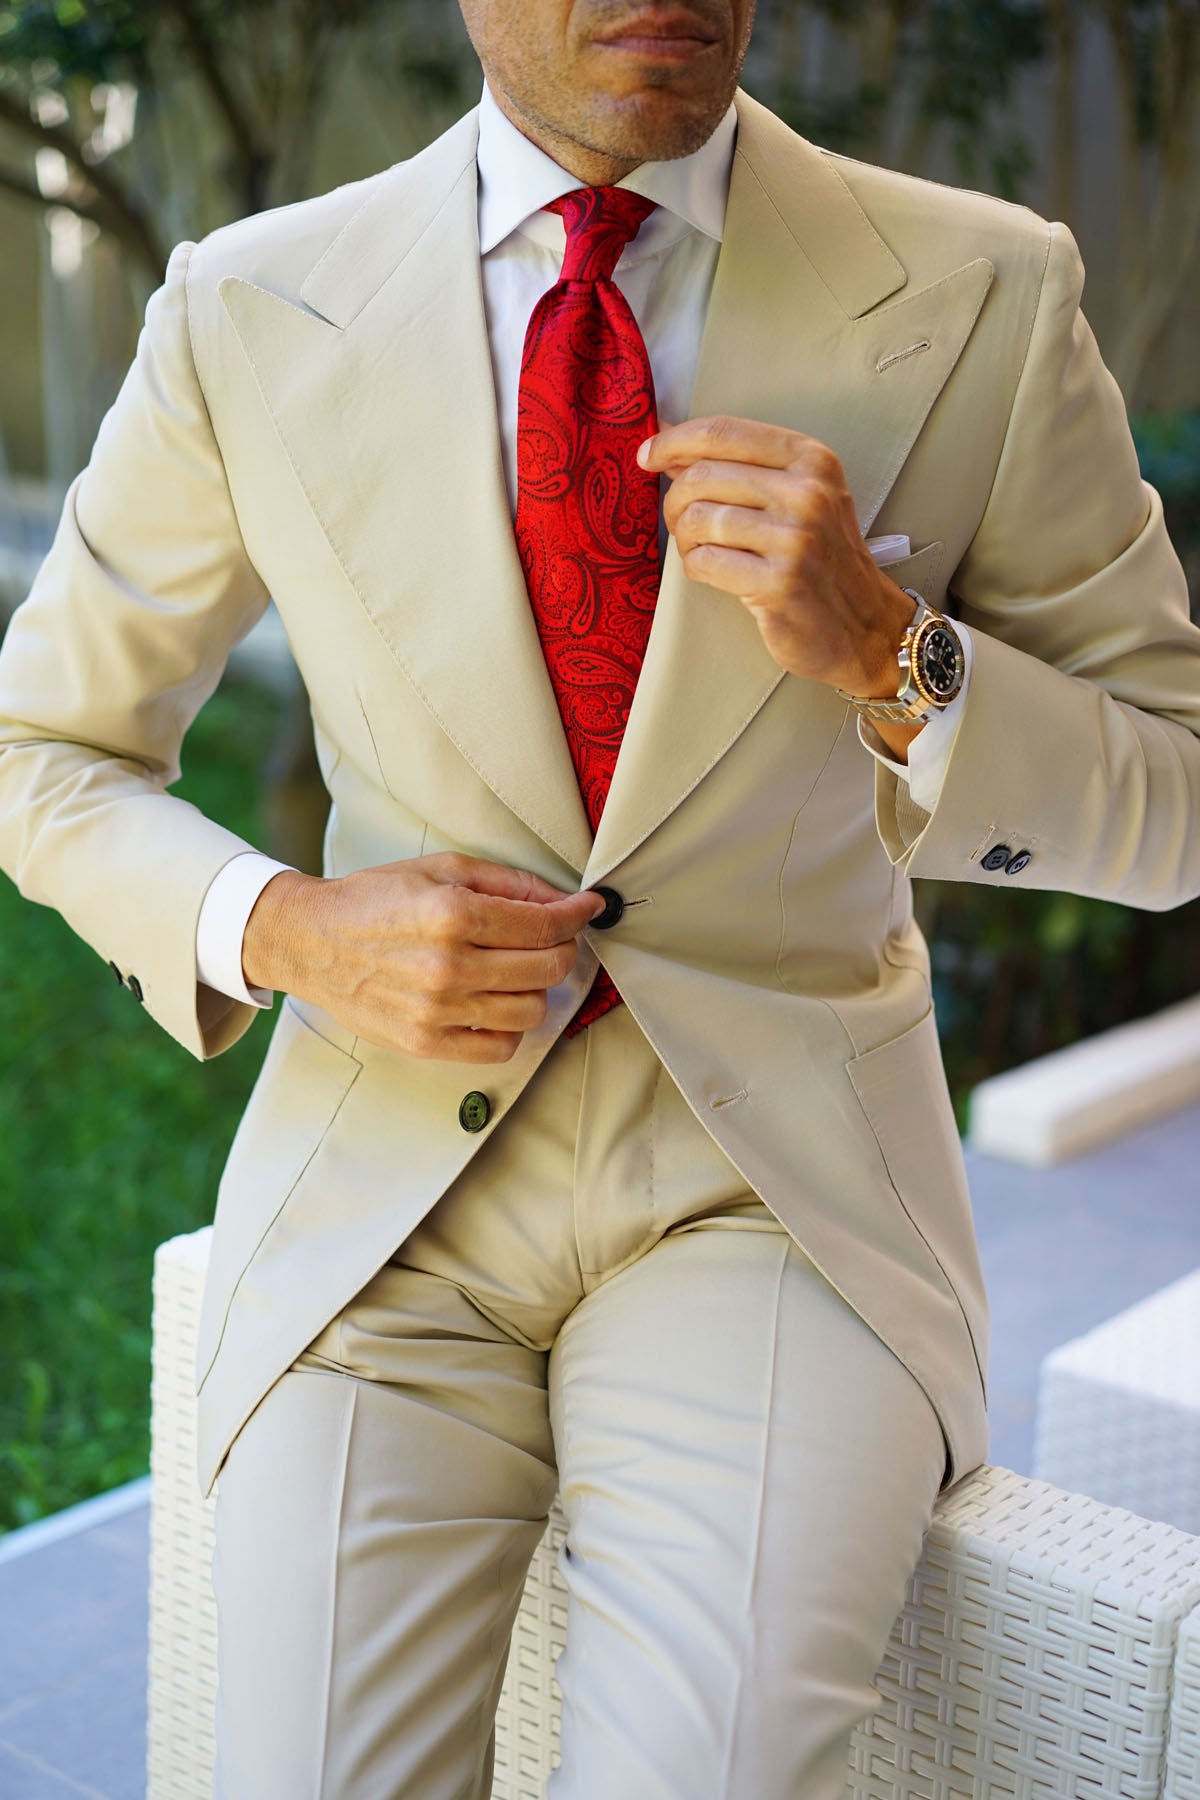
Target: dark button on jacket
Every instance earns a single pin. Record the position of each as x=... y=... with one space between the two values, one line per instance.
x=475 y=1111
x=1020 y=861
x=997 y=858
x=614 y=906
x=116 y=974
x=135 y=987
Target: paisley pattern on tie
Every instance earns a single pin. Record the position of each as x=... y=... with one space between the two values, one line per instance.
x=587 y=514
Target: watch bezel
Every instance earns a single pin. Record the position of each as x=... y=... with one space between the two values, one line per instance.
x=915 y=643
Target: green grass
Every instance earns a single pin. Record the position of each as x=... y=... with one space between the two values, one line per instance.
x=112 y=1138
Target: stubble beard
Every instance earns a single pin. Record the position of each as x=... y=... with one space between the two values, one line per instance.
x=625 y=135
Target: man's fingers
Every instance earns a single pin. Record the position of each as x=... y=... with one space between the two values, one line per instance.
x=737 y=527
x=520 y=971
x=498 y=924
x=738 y=572
x=498 y=907
x=730 y=484
x=722 y=438
x=519 y=925
x=484 y=877
x=501 y=1012
x=461 y=1044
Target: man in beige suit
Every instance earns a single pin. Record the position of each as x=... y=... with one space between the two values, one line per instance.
x=706 y=1267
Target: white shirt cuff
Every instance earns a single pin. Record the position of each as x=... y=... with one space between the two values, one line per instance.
x=222 y=925
x=929 y=752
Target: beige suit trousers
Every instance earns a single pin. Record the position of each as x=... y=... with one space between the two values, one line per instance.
x=598 y=1305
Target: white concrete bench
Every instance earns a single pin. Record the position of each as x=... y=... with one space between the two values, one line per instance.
x=1089 y=1093
x=1035 y=1655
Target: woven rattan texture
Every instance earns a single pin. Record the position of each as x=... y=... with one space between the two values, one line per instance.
x=527 y=1718
x=1036 y=1655
x=183 y=1632
x=1183 y=1748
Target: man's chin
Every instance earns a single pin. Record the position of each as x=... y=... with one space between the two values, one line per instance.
x=653 y=125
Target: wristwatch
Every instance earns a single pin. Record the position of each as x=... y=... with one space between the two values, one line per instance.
x=932 y=668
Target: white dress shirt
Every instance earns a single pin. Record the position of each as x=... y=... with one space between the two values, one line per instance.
x=666 y=275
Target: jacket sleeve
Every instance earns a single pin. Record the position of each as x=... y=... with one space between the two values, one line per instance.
x=1078 y=744
x=122 y=638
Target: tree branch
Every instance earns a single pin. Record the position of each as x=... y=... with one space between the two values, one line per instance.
x=13 y=183
x=254 y=159
x=122 y=216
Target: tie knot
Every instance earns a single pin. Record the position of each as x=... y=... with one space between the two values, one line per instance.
x=600 y=222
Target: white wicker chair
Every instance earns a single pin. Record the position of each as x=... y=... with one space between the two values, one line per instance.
x=1048 y=1645
x=1183 y=1748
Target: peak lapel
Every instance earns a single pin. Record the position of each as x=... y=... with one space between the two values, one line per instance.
x=383 y=397
x=795 y=335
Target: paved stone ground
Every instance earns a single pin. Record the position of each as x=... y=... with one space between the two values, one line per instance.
x=73 y=1665
x=1062 y=1249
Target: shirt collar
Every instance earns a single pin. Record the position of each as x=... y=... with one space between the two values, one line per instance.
x=516 y=179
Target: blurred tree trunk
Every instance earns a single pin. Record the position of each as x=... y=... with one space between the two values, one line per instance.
x=1064 y=174
x=1130 y=199
x=877 y=32
x=913 y=151
x=1159 y=243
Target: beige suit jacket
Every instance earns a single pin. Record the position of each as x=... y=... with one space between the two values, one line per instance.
x=310 y=416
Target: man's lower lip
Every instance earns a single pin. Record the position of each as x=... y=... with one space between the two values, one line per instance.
x=674 y=49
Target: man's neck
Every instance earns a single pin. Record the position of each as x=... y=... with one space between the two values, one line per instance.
x=592 y=167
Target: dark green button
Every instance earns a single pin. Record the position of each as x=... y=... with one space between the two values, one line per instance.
x=475 y=1111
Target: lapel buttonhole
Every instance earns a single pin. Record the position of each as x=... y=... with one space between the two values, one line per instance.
x=899 y=355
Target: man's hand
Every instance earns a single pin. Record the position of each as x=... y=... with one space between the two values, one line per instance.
x=764 y=513
x=442 y=956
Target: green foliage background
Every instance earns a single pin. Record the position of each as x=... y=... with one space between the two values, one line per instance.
x=1020 y=974
x=112 y=1138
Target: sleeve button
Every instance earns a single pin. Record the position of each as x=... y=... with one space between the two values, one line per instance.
x=135 y=987
x=997 y=858
x=116 y=974
x=1020 y=861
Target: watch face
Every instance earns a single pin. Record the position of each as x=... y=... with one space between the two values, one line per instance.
x=940 y=664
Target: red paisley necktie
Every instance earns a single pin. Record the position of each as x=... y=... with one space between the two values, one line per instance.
x=587 y=514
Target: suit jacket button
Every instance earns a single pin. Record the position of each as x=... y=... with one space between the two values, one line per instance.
x=475 y=1111
x=135 y=987
x=1020 y=861
x=997 y=858
x=117 y=975
x=614 y=906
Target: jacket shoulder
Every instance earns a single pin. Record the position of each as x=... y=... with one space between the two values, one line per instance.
x=277 y=247
x=934 y=227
